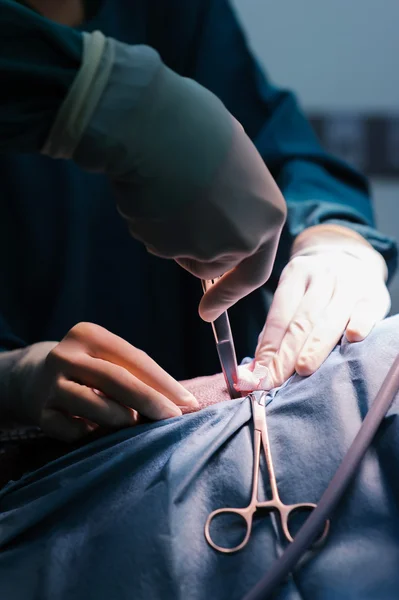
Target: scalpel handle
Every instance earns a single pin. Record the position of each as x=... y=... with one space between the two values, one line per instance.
x=225 y=346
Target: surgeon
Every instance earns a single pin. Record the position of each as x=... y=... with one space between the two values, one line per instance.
x=152 y=106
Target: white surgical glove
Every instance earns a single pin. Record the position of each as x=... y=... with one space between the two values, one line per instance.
x=334 y=284
x=90 y=378
x=187 y=179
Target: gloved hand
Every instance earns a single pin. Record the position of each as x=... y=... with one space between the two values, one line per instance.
x=91 y=378
x=186 y=177
x=334 y=284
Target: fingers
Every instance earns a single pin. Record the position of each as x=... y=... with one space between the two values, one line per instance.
x=101 y=378
x=319 y=298
x=326 y=311
x=80 y=400
x=326 y=334
x=286 y=301
x=365 y=315
x=107 y=346
x=282 y=364
x=118 y=383
x=346 y=315
x=246 y=277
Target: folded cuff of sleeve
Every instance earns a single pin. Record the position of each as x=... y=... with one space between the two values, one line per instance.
x=39 y=60
x=316 y=195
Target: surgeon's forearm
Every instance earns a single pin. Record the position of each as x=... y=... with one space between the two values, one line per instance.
x=38 y=63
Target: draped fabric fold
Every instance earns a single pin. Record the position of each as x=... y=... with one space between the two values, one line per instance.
x=123 y=516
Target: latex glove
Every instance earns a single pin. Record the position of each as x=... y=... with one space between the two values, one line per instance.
x=187 y=179
x=334 y=284
x=91 y=378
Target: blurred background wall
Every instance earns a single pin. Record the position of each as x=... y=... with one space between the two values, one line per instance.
x=342 y=60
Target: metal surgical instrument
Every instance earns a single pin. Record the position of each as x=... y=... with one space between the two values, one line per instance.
x=225 y=346
x=275 y=504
